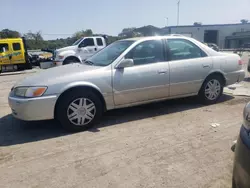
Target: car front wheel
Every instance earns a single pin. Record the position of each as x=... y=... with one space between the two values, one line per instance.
x=78 y=111
x=211 y=89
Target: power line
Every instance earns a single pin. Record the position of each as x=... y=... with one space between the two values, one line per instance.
x=56 y=34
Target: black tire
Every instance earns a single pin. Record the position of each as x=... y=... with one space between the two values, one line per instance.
x=70 y=60
x=67 y=99
x=234 y=184
x=202 y=95
x=28 y=66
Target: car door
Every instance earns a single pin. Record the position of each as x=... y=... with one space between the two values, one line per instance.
x=5 y=53
x=87 y=48
x=189 y=66
x=17 y=53
x=147 y=80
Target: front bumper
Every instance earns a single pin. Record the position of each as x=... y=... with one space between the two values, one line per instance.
x=58 y=63
x=241 y=172
x=33 y=109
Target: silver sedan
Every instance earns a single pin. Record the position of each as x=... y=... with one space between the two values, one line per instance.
x=126 y=73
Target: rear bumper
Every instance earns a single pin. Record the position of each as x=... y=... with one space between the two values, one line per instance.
x=233 y=77
x=241 y=172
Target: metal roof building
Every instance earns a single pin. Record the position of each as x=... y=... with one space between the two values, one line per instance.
x=224 y=35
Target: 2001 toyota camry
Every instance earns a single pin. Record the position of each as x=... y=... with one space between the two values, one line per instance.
x=126 y=73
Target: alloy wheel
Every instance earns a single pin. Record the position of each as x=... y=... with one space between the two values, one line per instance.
x=212 y=89
x=81 y=111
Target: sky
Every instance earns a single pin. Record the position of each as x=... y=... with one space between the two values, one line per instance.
x=62 y=18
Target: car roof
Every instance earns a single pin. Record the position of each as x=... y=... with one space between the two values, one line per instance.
x=154 y=37
x=207 y=49
x=10 y=39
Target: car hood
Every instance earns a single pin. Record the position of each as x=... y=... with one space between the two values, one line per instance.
x=57 y=74
x=66 y=48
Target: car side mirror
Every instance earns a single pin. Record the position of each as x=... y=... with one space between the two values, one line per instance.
x=81 y=45
x=125 y=63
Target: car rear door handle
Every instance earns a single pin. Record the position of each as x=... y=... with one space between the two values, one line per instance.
x=163 y=71
x=206 y=66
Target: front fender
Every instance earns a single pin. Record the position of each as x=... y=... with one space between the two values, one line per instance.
x=66 y=54
x=79 y=84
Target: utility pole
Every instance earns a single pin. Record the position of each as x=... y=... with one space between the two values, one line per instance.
x=167 y=22
x=178 y=12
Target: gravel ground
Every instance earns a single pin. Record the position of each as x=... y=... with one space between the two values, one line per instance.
x=166 y=144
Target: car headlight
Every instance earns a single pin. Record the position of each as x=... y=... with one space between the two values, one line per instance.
x=60 y=57
x=29 y=91
x=246 y=116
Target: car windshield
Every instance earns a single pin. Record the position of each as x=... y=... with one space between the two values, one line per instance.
x=77 y=42
x=110 y=53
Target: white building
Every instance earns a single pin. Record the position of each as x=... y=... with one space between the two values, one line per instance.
x=224 y=35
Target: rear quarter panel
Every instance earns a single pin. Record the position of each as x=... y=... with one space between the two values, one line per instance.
x=229 y=66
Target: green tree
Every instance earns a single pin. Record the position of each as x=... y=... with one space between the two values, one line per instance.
x=34 y=40
x=244 y=21
x=7 y=33
x=83 y=33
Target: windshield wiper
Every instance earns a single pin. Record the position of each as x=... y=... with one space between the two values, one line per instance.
x=89 y=62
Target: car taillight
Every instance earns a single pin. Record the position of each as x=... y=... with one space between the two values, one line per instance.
x=240 y=62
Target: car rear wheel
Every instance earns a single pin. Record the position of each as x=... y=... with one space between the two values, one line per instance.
x=211 y=89
x=78 y=111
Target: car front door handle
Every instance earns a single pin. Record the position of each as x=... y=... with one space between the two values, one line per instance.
x=163 y=71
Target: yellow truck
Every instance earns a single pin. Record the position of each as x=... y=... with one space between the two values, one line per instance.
x=13 y=55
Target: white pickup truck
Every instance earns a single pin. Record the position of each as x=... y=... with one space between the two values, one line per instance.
x=80 y=50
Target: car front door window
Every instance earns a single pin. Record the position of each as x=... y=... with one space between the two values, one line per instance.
x=87 y=42
x=147 y=52
x=4 y=47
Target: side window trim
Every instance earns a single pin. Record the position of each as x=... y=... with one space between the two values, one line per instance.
x=131 y=52
x=166 y=50
x=203 y=54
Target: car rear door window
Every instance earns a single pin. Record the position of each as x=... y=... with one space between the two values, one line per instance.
x=16 y=46
x=4 y=47
x=99 y=42
x=183 y=49
x=147 y=52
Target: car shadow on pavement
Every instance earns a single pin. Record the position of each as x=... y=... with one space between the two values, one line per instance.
x=13 y=131
x=152 y=110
